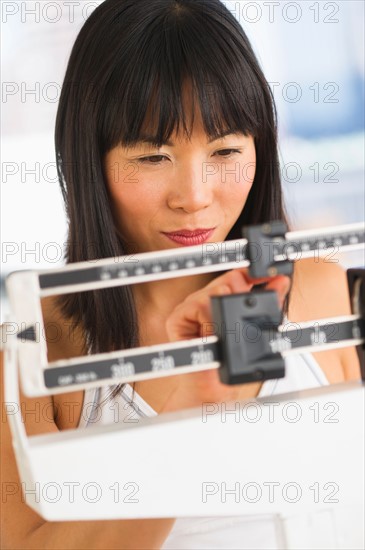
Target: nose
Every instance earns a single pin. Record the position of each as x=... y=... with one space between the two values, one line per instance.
x=188 y=191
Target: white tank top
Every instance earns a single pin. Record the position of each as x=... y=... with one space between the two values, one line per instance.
x=262 y=532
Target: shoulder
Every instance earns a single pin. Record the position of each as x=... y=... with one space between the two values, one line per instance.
x=65 y=340
x=320 y=290
x=321 y=286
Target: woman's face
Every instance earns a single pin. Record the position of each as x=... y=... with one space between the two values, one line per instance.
x=184 y=185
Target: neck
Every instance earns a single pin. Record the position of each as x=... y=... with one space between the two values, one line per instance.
x=161 y=297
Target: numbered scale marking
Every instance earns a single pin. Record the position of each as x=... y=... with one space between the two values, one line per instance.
x=193 y=355
x=209 y=257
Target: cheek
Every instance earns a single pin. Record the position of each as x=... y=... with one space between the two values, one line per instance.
x=237 y=187
x=248 y=172
x=130 y=194
x=134 y=211
x=239 y=197
x=247 y=175
x=248 y=168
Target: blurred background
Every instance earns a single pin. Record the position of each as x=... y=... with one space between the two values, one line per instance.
x=312 y=55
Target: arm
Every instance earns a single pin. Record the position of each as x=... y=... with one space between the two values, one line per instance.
x=320 y=290
x=23 y=528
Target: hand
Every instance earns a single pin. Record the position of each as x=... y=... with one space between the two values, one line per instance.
x=193 y=317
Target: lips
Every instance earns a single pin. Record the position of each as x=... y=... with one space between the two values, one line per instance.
x=189 y=233
x=186 y=237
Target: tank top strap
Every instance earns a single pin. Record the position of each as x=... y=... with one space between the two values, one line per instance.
x=126 y=406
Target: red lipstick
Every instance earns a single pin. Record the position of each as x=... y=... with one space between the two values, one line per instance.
x=186 y=237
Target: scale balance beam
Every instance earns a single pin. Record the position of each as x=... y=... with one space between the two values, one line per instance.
x=262 y=252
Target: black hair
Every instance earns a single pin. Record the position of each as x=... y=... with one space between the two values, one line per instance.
x=129 y=58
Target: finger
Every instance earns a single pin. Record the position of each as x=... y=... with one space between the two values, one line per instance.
x=193 y=317
x=239 y=280
x=281 y=284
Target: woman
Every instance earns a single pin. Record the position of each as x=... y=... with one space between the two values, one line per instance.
x=166 y=127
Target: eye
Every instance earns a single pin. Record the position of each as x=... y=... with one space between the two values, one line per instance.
x=155 y=159
x=226 y=153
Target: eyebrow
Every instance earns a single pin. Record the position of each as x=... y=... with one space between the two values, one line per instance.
x=151 y=140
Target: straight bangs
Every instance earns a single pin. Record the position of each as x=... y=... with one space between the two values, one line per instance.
x=147 y=98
